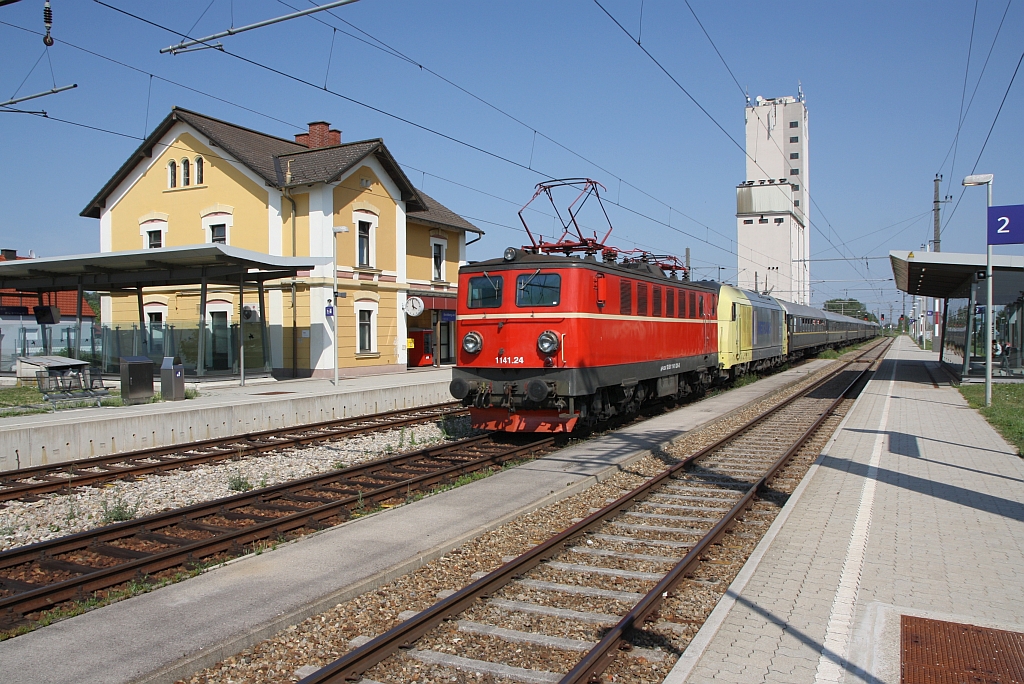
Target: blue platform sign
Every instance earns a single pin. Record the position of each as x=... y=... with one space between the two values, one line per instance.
x=1006 y=225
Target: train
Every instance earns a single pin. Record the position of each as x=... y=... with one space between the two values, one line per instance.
x=564 y=335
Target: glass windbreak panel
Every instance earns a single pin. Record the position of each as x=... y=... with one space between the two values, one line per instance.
x=538 y=289
x=484 y=292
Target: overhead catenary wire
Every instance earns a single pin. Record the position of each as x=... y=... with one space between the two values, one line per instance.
x=414 y=124
x=717 y=124
x=987 y=137
x=963 y=97
x=974 y=92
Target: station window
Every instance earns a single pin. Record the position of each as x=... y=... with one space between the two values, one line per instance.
x=437 y=248
x=156 y=239
x=748 y=222
x=656 y=301
x=794 y=124
x=186 y=176
x=364 y=244
x=670 y=303
x=199 y=170
x=538 y=289
x=219 y=234
x=366 y=327
x=485 y=292
x=794 y=172
x=796 y=203
x=764 y=220
x=172 y=174
x=794 y=155
x=641 y=299
x=795 y=187
x=794 y=138
x=625 y=297
x=778 y=221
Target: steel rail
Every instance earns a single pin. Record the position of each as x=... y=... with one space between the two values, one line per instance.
x=590 y=667
x=351 y=666
x=65 y=476
x=190 y=552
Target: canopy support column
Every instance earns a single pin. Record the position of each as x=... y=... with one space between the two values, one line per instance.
x=201 y=353
x=78 y=320
x=241 y=328
x=267 y=363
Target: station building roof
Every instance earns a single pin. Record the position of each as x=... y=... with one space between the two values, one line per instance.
x=170 y=266
x=948 y=275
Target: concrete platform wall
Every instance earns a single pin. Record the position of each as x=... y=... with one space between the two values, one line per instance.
x=98 y=432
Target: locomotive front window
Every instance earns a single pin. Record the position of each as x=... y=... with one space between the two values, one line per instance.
x=538 y=289
x=485 y=292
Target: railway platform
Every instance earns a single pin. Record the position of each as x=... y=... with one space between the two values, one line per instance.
x=179 y=629
x=915 y=510
x=218 y=411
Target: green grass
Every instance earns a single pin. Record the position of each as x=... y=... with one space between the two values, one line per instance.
x=1006 y=414
x=19 y=396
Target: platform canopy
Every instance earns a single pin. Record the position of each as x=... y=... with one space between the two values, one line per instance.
x=948 y=275
x=170 y=266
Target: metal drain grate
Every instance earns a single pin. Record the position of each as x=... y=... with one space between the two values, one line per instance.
x=936 y=652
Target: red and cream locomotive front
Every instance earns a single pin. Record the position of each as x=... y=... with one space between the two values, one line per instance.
x=518 y=330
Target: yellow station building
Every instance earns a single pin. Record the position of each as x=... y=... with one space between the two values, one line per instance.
x=199 y=180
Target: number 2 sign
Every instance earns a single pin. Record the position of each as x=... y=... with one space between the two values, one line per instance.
x=1006 y=225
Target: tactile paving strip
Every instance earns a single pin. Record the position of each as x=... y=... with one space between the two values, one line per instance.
x=937 y=652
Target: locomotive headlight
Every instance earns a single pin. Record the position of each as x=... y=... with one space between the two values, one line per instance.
x=547 y=342
x=472 y=342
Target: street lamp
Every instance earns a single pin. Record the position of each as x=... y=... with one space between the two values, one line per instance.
x=334 y=297
x=986 y=179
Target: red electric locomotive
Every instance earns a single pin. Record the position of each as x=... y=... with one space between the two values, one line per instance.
x=549 y=342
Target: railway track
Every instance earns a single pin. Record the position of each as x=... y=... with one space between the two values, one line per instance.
x=40 y=576
x=592 y=588
x=28 y=484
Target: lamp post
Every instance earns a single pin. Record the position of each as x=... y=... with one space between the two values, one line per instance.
x=986 y=179
x=334 y=296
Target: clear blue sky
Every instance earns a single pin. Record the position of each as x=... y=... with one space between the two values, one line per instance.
x=883 y=82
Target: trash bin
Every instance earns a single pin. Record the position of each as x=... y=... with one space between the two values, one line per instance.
x=136 y=379
x=172 y=379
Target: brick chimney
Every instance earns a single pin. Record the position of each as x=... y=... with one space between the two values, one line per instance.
x=320 y=135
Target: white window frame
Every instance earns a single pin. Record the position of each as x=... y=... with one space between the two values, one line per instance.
x=196 y=163
x=372 y=219
x=153 y=224
x=216 y=219
x=186 y=179
x=444 y=257
x=172 y=174
x=372 y=307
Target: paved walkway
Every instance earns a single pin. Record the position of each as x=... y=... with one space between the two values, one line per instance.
x=915 y=508
x=176 y=630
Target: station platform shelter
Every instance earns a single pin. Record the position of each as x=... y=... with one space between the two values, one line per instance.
x=957 y=281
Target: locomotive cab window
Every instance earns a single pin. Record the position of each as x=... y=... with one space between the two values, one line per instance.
x=538 y=289
x=485 y=292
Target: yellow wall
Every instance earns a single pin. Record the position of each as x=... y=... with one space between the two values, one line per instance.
x=223 y=184
x=300 y=226
x=347 y=196
x=421 y=258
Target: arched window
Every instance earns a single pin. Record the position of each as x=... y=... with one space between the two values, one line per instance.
x=185 y=168
x=172 y=174
x=199 y=170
